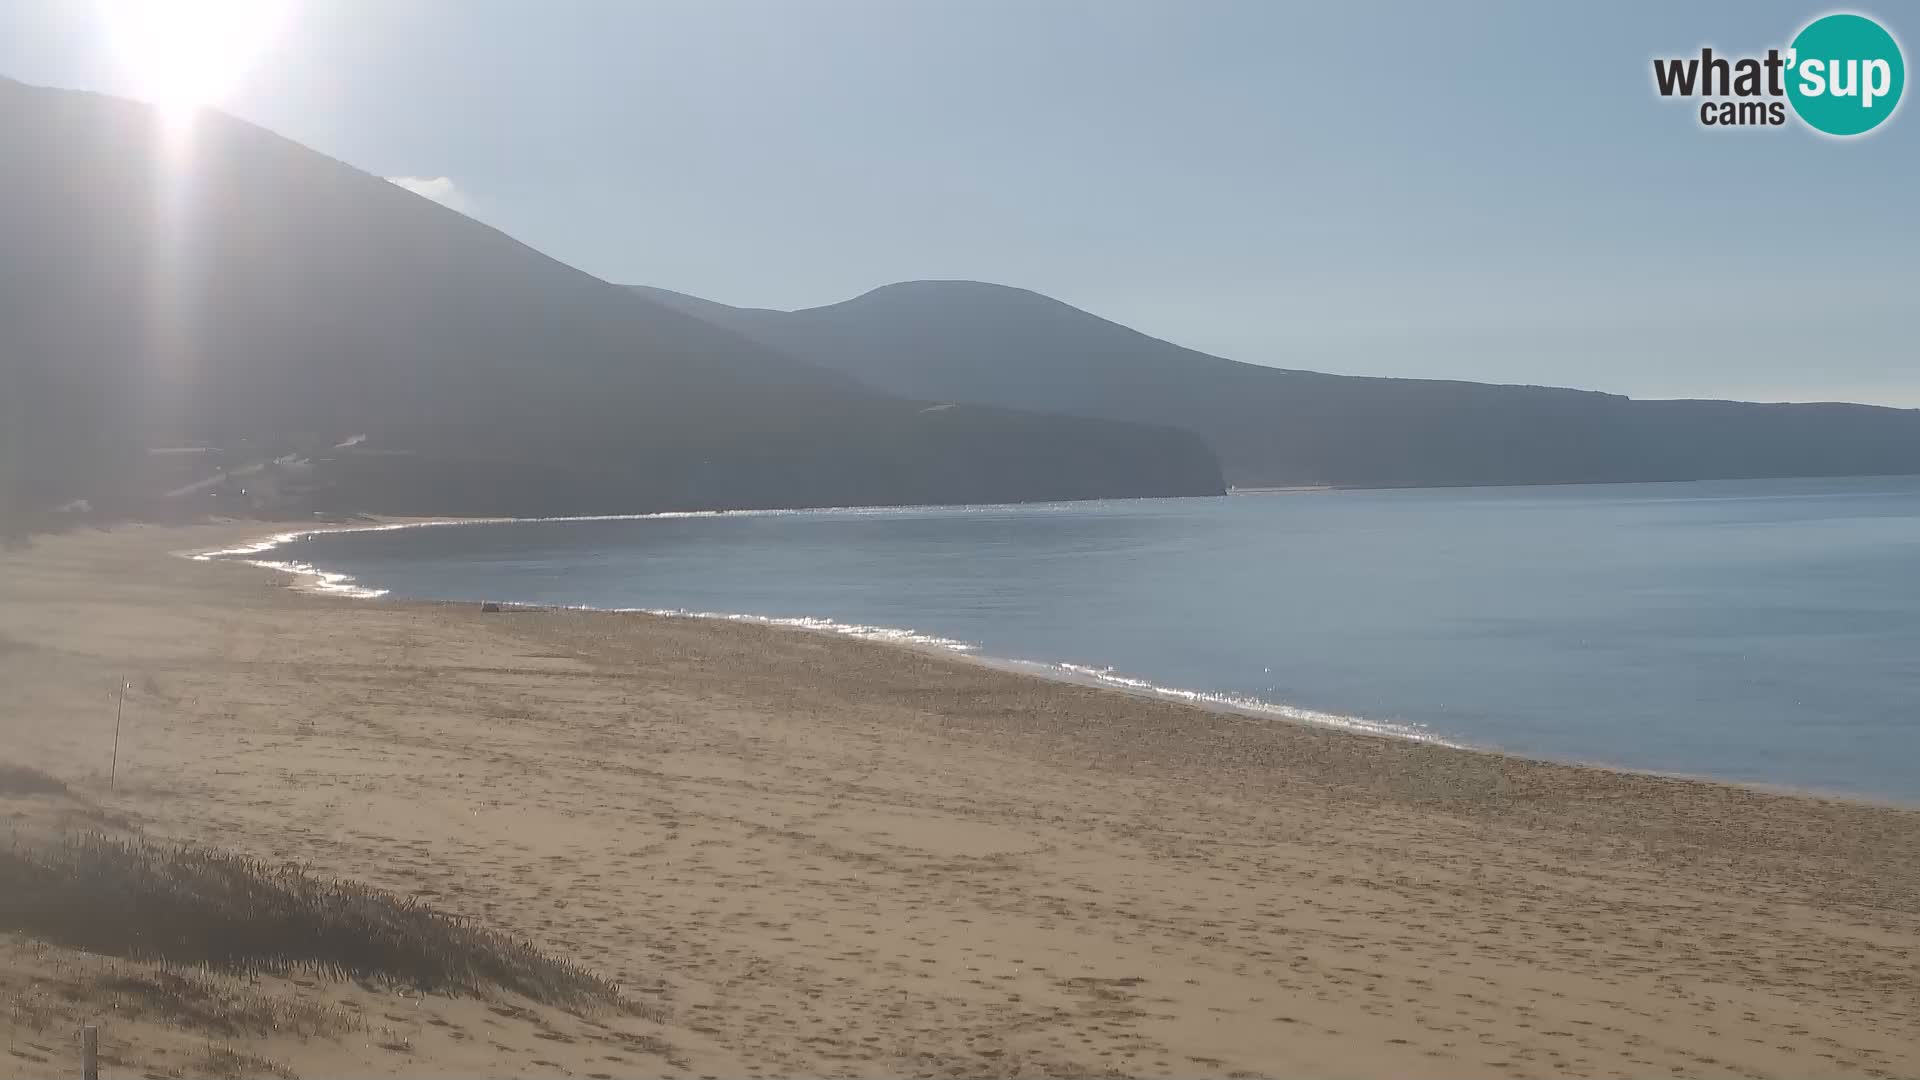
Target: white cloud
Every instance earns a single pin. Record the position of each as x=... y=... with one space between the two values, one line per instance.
x=440 y=189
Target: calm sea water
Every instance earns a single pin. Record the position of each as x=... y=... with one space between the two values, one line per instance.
x=1763 y=631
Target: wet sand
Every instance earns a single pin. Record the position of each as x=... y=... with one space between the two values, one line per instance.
x=822 y=856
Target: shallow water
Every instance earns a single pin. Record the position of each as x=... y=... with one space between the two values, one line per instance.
x=1764 y=631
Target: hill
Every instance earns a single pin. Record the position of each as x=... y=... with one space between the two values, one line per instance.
x=288 y=322
x=990 y=344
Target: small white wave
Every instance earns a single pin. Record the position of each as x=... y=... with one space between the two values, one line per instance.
x=1106 y=676
x=254 y=548
x=270 y=542
x=1099 y=676
x=314 y=579
x=310 y=577
x=891 y=634
x=340 y=587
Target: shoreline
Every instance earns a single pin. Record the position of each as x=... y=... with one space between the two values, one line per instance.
x=320 y=581
x=815 y=857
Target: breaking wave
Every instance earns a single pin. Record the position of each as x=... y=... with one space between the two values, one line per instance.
x=890 y=634
x=1240 y=703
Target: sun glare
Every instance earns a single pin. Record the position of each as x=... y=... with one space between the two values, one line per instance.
x=182 y=54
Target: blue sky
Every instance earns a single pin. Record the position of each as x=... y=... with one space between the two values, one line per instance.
x=1492 y=192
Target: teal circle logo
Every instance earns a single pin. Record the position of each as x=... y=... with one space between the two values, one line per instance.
x=1845 y=74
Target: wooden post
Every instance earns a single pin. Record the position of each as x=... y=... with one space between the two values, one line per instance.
x=113 y=770
x=89 y=1053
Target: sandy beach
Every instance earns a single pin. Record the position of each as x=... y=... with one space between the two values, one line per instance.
x=821 y=856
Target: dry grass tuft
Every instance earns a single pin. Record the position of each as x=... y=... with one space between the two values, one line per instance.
x=20 y=780
x=199 y=907
x=231 y=1063
x=202 y=1001
x=49 y=988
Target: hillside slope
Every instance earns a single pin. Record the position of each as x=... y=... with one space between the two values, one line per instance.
x=990 y=344
x=223 y=287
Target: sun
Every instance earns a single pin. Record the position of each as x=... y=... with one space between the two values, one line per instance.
x=183 y=54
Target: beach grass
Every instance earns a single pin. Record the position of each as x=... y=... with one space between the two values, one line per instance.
x=196 y=906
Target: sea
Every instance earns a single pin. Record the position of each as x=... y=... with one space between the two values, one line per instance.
x=1765 y=632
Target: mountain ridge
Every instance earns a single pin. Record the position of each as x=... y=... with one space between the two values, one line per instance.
x=985 y=343
x=240 y=291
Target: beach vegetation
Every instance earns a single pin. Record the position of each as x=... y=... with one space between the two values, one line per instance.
x=196 y=906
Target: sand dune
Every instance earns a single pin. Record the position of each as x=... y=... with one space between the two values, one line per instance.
x=822 y=856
